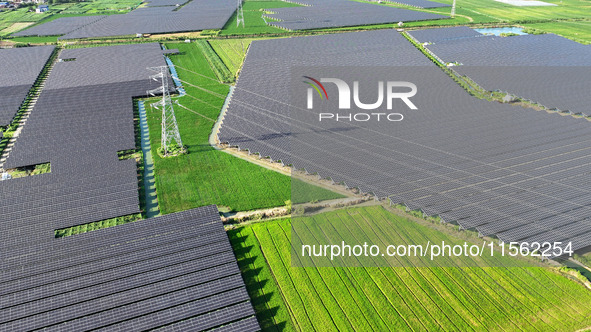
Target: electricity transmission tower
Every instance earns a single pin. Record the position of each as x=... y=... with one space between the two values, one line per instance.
x=239 y=14
x=171 y=138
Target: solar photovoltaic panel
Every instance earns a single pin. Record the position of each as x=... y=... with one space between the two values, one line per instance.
x=443 y=34
x=523 y=50
x=486 y=165
x=59 y=26
x=421 y=3
x=20 y=68
x=193 y=16
x=156 y=3
x=531 y=67
x=342 y=13
x=158 y=16
x=82 y=118
x=154 y=273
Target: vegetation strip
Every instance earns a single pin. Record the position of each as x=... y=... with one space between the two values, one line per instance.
x=446 y=298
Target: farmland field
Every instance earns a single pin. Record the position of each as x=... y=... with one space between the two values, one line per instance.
x=231 y=51
x=21 y=15
x=401 y=298
x=35 y=39
x=576 y=30
x=205 y=175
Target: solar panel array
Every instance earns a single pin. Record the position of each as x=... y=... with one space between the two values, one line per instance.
x=157 y=3
x=59 y=26
x=443 y=34
x=527 y=66
x=155 y=18
x=174 y=272
x=421 y=3
x=83 y=116
x=341 y=13
x=20 y=68
x=517 y=174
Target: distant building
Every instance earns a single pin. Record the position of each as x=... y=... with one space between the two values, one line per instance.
x=42 y=9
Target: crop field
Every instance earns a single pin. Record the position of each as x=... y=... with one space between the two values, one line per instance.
x=570 y=19
x=254 y=23
x=231 y=51
x=16 y=20
x=14 y=27
x=205 y=175
x=21 y=15
x=576 y=30
x=401 y=298
x=35 y=39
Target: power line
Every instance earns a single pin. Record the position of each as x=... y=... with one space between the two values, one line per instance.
x=170 y=136
x=253 y=107
x=239 y=14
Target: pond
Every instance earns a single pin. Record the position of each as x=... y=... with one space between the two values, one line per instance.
x=499 y=31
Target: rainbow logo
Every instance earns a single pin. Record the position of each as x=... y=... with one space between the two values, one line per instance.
x=316 y=87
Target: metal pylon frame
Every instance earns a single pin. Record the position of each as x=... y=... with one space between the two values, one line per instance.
x=171 y=138
x=239 y=14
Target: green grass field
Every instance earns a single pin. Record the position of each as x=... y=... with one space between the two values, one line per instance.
x=205 y=175
x=22 y=15
x=401 y=298
x=231 y=51
x=301 y=192
x=35 y=40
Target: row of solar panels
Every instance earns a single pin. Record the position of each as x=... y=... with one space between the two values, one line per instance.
x=340 y=13
x=518 y=174
x=157 y=3
x=421 y=3
x=526 y=66
x=20 y=68
x=172 y=272
x=157 y=17
x=82 y=118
